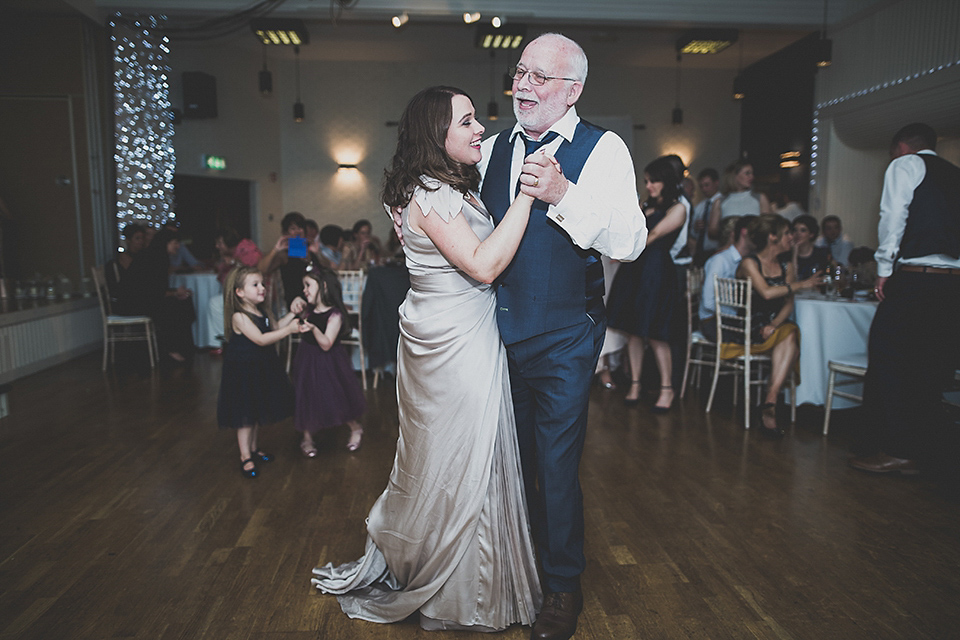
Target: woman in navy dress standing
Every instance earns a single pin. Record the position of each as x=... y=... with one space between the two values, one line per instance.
x=644 y=292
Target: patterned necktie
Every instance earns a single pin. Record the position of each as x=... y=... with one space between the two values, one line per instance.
x=533 y=145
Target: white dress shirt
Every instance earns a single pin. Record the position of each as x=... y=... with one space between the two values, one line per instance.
x=600 y=211
x=903 y=176
x=724 y=265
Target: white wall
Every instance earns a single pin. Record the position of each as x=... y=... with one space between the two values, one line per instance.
x=349 y=102
x=897 y=65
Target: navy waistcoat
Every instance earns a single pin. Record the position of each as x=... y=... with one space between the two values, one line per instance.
x=933 y=221
x=551 y=282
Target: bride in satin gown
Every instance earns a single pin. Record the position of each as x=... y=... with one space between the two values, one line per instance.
x=449 y=536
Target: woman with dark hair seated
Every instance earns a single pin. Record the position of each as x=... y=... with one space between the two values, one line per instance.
x=807 y=258
x=146 y=291
x=774 y=282
x=135 y=237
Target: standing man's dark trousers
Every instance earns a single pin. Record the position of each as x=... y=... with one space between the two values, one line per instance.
x=550 y=375
x=913 y=352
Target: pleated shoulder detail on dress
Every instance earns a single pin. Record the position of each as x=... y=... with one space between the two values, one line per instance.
x=446 y=201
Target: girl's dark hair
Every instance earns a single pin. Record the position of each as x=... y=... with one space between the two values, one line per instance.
x=331 y=294
x=664 y=170
x=764 y=226
x=421 y=149
x=810 y=223
x=230 y=237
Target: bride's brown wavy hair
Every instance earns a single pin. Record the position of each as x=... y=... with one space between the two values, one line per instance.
x=421 y=149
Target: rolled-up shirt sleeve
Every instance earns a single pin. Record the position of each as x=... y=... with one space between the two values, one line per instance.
x=602 y=211
x=901 y=179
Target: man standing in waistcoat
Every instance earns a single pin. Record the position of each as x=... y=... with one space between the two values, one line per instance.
x=550 y=298
x=914 y=340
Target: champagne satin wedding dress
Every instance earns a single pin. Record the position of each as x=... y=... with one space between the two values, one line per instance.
x=449 y=536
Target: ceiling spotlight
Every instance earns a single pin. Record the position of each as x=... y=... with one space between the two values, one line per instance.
x=496 y=21
x=400 y=20
x=472 y=17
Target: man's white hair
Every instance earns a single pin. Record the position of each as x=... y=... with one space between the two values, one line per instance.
x=577 y=58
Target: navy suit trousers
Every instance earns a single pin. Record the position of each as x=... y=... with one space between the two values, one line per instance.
x=550 y=375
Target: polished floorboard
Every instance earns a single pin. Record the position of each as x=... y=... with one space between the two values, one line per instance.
x=123 y=514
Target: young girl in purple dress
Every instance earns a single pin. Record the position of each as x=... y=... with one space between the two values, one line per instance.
x=328 y=393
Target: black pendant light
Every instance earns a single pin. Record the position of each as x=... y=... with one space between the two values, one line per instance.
x=298 y=112
x=266 y=78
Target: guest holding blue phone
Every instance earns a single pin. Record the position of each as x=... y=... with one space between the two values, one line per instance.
x=290 y=255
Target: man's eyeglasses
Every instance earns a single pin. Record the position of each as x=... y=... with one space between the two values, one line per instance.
x=535 y=77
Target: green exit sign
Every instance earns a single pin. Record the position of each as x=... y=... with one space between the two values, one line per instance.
x=218 y=163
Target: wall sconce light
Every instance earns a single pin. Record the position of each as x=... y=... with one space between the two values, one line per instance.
x=471 y=17
x=347 y=167
x=493 y=110
x=507 y=85
x=400 y=20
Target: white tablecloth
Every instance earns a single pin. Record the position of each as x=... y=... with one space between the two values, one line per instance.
x=830 y=328
x=203 y=286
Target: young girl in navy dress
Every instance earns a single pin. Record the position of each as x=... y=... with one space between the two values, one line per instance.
x=327 y=390
x=254 y=389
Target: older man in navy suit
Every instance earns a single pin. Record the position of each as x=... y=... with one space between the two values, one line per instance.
x=550 y=298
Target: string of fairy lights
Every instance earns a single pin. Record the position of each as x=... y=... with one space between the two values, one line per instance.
x=880 y=86
x=144 y=155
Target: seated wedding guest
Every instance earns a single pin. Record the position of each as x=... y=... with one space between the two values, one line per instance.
x=233 y=252
x=807 y=257
x=291 y=268
x=135 y=239
x=311 y=230
x=365 y=245
x=739 y=198
x=835 y=240
x=723 y=264
x=183 y=260
x=146 y=291
x=774 y=283
x=331 y=246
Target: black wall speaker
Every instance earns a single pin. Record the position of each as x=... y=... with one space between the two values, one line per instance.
x=199 y=95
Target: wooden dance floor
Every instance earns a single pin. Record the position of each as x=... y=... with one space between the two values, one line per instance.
x=124 y=515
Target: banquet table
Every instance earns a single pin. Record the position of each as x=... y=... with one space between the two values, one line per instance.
x=202 y=286
x=830 y=328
